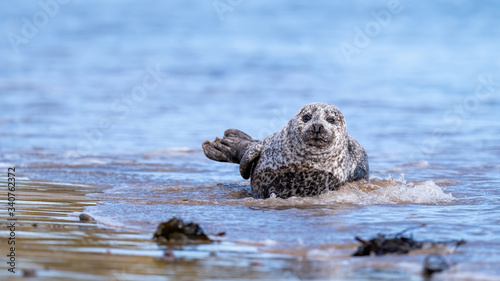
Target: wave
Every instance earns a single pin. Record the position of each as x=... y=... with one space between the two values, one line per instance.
x=373 y=192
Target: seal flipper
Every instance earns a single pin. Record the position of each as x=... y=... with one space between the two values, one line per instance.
x=250 y=159
x=215 y=150
x=230 y=148
x=359 y=168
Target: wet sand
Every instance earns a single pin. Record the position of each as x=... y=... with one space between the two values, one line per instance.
x=52 y=244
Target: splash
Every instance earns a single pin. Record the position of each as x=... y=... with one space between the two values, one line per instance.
x=374 y=192
x=392 y=191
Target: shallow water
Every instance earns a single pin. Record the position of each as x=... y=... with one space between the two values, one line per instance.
x=422 y=97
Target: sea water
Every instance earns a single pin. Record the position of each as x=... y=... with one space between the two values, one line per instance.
x=121 y=96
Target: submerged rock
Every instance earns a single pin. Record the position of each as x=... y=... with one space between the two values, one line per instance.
x=29 y=273
x=176 y=230
x=86 y=218
x=433 y=264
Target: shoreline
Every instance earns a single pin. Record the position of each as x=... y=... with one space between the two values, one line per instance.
x=53 y=244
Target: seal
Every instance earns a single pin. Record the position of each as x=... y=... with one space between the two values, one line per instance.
x=311 y=155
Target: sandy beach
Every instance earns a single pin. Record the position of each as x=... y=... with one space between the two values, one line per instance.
x=52 y=244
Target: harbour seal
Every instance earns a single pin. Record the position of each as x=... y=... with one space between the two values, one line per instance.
x=312 y=154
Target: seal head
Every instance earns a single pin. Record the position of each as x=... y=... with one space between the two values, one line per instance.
x=318 y=128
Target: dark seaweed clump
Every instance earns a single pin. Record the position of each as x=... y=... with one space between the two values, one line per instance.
x=383 y=244
x=396 y=244
x=176 y=230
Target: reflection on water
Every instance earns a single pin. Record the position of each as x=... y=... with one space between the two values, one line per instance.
x=421 y=96
x=136 y=192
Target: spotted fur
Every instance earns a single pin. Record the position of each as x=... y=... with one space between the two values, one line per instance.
x=312 y=154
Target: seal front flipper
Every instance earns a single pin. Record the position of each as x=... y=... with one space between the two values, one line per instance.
x=250 y=159
x=230 y=148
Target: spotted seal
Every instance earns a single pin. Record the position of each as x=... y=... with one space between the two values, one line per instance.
x=312 y=154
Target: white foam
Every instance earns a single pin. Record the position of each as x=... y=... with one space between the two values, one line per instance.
x=6 y=165
x=87 y=162
x=374 y=192
x=159 y=153
x=420 y=163
x=391 y=191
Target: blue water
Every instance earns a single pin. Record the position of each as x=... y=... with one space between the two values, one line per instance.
x=121 y=94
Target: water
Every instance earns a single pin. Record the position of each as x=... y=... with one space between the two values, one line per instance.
x=420 y=94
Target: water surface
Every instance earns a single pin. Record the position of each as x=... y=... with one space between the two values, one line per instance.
x=422 y=98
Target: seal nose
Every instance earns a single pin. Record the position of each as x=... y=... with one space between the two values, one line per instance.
x=317 y=128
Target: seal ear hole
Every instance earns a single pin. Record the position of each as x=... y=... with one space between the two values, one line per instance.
x=306 y=118
x=330 y=120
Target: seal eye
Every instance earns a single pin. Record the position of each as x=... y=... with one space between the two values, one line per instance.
x=306 y=117
x=330 y=120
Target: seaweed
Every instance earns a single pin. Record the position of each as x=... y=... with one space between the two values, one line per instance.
x=176 y=230
x=382 y=244
x=396 y=244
